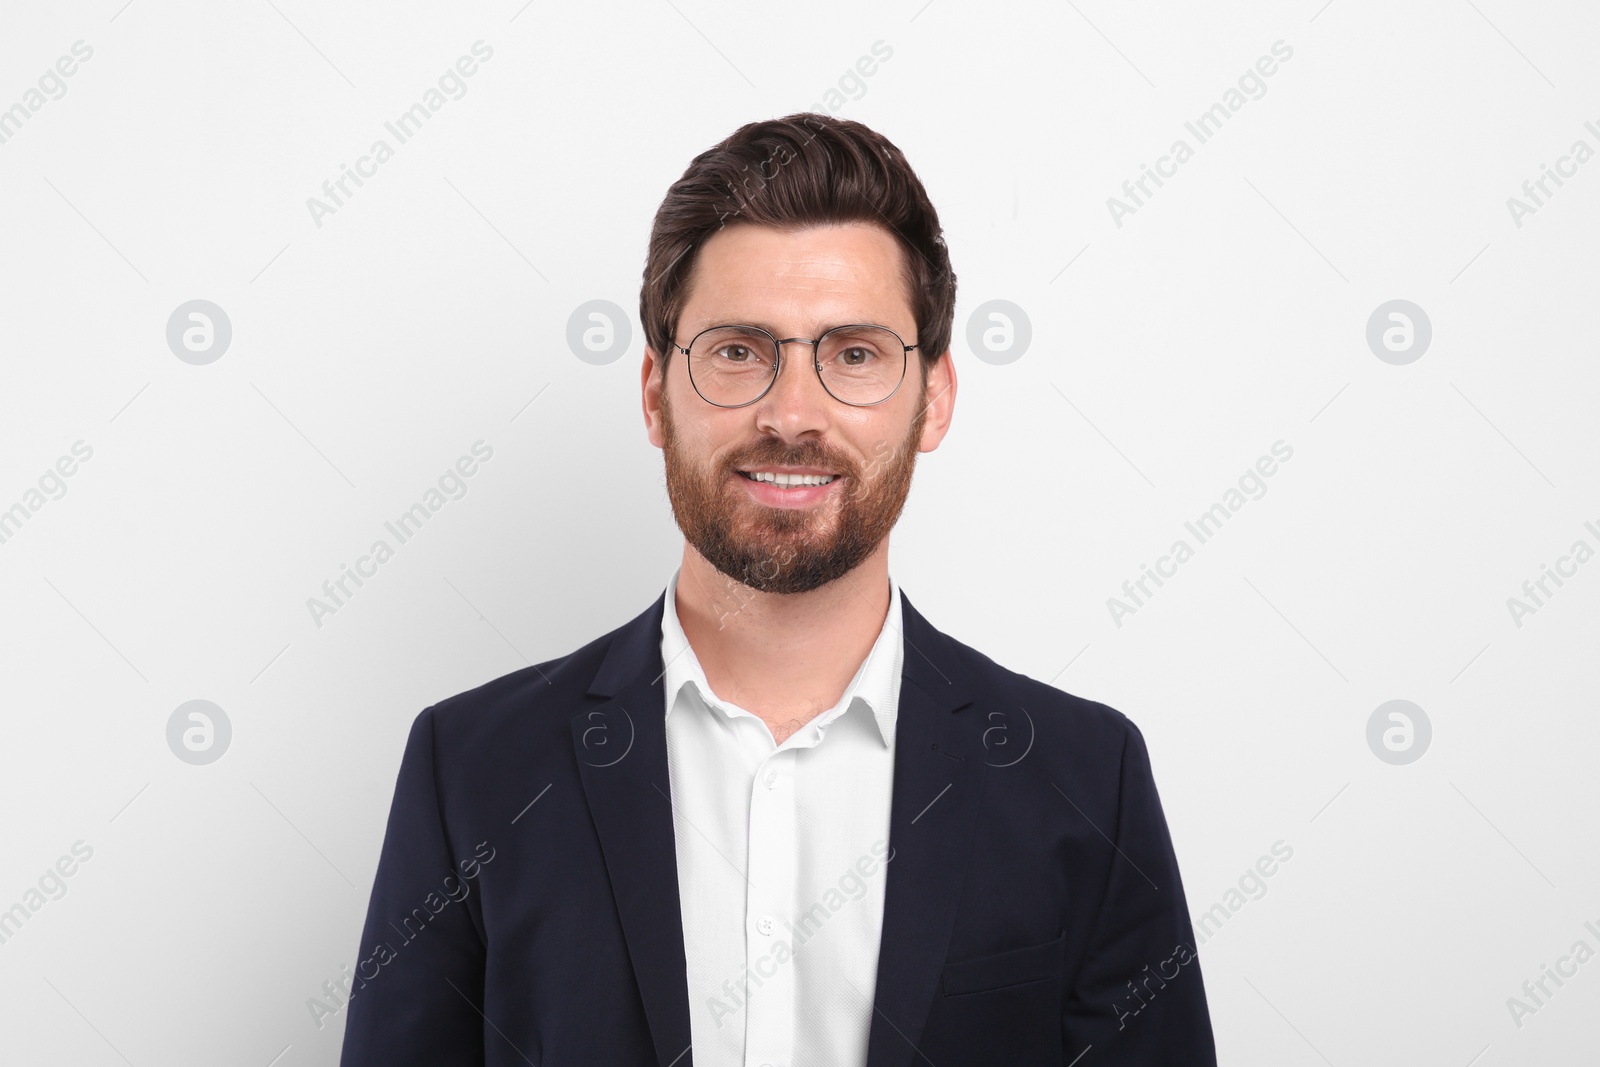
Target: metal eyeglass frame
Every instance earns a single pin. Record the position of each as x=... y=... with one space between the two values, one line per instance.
x=777 y=366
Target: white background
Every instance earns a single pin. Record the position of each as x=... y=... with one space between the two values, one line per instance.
x=1168 y=353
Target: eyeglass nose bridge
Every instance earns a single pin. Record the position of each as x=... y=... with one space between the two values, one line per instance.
x=815 y=344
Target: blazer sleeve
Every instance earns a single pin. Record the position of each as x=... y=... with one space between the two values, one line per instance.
x=419 y=976
x=1139 y=997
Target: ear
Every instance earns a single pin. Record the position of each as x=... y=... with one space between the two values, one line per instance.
x=650 y=390
x=940 y=402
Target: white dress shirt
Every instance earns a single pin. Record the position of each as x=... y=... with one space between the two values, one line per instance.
x=782 y=852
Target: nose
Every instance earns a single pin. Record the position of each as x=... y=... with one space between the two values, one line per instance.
x=797 y=404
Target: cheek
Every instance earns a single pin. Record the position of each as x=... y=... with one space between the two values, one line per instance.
x=877 y=441
x=693 y=434
x=709 y=441
x=858 y=428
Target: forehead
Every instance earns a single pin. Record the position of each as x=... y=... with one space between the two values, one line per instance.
x=820 y=275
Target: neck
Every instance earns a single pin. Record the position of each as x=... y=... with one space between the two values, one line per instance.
x=782 y=656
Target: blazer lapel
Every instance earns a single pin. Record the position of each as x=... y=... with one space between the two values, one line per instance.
x=932 y=811
x=621 y=748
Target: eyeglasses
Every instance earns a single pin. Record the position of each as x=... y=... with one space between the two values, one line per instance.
x=859 y=364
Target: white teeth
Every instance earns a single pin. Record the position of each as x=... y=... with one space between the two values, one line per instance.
x=788 y=481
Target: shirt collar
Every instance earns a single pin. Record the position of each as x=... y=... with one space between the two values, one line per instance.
x=876 y=681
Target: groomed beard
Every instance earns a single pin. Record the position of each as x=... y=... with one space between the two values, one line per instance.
x=788 y=550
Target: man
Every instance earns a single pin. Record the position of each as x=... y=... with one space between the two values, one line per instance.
x=779 y=818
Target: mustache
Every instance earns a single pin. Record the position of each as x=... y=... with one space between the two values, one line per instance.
x=776 y=455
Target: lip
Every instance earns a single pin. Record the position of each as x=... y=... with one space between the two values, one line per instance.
x=774 y=497
x=788 y=470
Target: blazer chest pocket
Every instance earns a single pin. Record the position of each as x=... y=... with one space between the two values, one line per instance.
x=997 y=970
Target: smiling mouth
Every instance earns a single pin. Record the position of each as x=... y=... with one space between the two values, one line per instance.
x=789 y=481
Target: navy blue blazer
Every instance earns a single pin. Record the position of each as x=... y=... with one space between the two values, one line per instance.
x=525 y=908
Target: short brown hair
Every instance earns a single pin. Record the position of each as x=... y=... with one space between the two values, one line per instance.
x=806 y=169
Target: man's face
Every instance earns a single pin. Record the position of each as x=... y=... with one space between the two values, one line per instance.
x=768 y=537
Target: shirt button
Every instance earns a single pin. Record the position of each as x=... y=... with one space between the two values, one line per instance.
x=771 y=779
x=765 y=924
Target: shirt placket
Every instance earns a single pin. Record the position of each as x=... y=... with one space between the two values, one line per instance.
x=773 y=873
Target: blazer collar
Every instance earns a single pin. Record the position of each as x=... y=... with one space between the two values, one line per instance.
x=621 y=751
